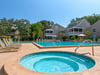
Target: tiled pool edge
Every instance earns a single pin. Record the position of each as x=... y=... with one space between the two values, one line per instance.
x=41 y=47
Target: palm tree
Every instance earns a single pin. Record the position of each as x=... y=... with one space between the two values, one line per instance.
x=37 y=30
x=34 y=34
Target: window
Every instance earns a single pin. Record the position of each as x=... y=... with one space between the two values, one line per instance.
x=51 y=31
x=56 y=27
x=76 y=30
x=94 y=30
x=80 y=30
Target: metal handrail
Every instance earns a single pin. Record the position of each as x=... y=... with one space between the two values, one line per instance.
x=83 y=43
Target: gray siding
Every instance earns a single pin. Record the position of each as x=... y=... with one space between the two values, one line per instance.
x=97 y=27
x=57 y=28
x=84 y=24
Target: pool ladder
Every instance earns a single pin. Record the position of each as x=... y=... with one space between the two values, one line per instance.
x=83 y=43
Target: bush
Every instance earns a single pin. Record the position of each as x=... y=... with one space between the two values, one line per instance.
x=98 y=38
x=73 y=37
x=64 y=38
x=8 y=37
x=15 y=39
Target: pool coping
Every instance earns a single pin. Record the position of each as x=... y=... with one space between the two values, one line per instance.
x=91 y=57
x=42 y=47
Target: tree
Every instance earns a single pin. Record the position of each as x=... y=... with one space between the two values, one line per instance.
x=64 y=38
x=73 y=20
x=46 y=25
x=91 y=19
x=73 y=37
x=5 y=27
x=88 y=33
x=41 y=34
x=36 y=30
x=34 y=34
x=23 y=26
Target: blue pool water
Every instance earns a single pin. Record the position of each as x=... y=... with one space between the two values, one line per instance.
x=53 y=43
x=56 y=62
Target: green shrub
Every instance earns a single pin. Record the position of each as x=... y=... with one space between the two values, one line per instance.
x=64 y=38
x=15 y=39
x=7 y=37
x=73 y=37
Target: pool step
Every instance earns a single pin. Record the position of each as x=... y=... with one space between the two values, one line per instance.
x=86 y=53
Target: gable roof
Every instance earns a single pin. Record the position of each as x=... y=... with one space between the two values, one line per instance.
x=96 y=24
x=59 y=25
x=81 y=23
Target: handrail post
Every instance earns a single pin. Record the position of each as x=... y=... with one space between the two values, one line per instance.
x=92 y=48
x=91 y=45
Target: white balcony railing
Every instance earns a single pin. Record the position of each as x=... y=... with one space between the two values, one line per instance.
x=48 y=33
x=75 y=33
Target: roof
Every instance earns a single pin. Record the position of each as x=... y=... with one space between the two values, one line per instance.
x=97 y=23
x=59 y=25
x=81 y=23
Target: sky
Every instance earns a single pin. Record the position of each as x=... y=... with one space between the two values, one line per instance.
x=59 y=11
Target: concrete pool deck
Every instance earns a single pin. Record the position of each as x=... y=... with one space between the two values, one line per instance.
x=10 y=60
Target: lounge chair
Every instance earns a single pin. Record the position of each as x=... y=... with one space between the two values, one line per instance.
x=10 y=43
x=6 y=49
x=2 y=44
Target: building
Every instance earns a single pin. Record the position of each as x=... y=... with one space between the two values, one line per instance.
x=53 y=32
x=14 y=33
x=95 y=29
x=77 y=28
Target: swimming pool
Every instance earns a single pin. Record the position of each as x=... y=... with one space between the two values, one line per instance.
x=54 y=43
x=56 y=62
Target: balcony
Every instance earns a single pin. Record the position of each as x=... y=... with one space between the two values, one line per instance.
x=48 y=33
x=75 y=33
